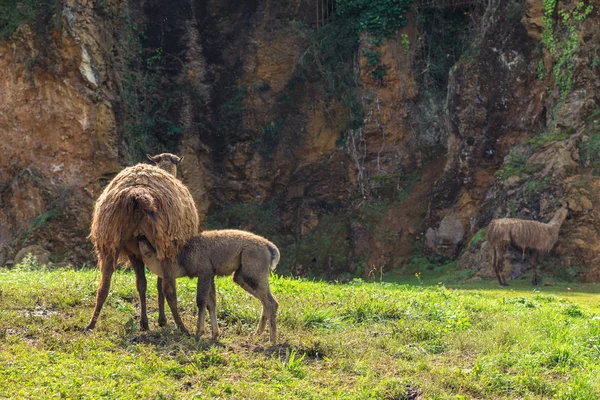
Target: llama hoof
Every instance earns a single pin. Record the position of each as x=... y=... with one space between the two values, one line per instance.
x=162 y=322
x=215 y=333
x=184 y=331
x=144 y=325
x=504 y=284
x=90 y=326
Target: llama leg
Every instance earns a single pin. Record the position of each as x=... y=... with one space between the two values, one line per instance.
x=211 y=305
x=108 y=263
x=534 y=269
x=170 y=291
x=202 y=295
x=262 y=322
x=497 y=266
x=501 y=267
x=273 y=317
x=162 y=318
x=140 y=279
x=260 y=290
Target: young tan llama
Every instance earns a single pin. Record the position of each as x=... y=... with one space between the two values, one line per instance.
x=250 y=258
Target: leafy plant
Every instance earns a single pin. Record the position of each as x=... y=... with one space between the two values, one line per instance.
x=548 y=37
x=327 y=246
x=379 y=73
x=373 y=62
x=563 y=50
x=331 y=49
x=319 y=318
x=477 y=238
x=269 y=137
x=43 y=219
x=516 y=10
x=535 y=188
x=293 y=363
x=590 y=147
x=328 y=59
x=541 y=69
x=373 y=57
x=380 y=18
x=260 y=218
x=393 y=187
x=447 y=35
x=516 y=164
x=541 y=140
x=30 y=263
x=405 y=43
x=147 y=103
x=232 y=111
x=37 y=13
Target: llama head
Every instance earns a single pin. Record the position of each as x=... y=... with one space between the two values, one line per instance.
x=149 y=256
x=568 y=209
x=562 y=213
x=166 y=161
x=147 y=252
x=146 y=249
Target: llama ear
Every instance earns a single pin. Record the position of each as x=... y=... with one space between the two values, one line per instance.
x=179 y=159
x=567 y=205
x=150 y=158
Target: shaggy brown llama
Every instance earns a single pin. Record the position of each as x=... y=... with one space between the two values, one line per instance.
x=143 y=200
x=531 y=236
x=167 y=162
x=250 y=258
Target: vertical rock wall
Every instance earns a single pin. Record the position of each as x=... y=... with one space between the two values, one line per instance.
x=58 y=132
x=256 y=133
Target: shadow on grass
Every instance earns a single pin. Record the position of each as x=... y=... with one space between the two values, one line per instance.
x=284 y=350
x=164 y=339
x=583 y=293
x=455 y=279
x=524 y=285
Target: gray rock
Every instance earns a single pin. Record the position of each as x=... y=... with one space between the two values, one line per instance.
x=42 y=255
x=451 y=230
x=446 y=238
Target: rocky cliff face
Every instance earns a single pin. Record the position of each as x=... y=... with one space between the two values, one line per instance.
x=522 y=122
x=494 y=101
x=58 y=133
x=269 y=148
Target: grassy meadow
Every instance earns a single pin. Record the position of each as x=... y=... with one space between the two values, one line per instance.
x=359 y=340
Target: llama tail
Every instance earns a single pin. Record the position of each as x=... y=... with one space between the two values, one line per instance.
x=140 y=199
x=274 y=254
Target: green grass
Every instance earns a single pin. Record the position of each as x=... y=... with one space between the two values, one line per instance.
x=355 y=341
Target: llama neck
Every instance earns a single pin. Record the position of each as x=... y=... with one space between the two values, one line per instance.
x=558 y=218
